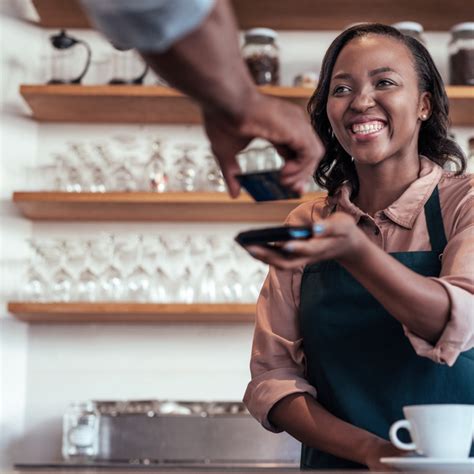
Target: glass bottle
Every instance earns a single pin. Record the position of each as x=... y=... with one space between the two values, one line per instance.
x=461 y=54
x=81 y=432
x=261 y=54
x=411 y=28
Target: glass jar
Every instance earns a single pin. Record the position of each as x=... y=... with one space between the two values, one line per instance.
x=307 y=79
x=81 y=432
x=411 y=28
x=461 y=54
x=261 y=53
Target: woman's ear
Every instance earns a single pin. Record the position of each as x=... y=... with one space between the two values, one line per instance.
x=425 y=109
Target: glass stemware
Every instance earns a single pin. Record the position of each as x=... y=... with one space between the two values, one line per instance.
x=155 y=170
x=56 y=252
x=213 y=178
x=186 y=290
x=138 y=282
x=207 y=285
x=88 y=284
x=160 y=291
x=111 y=280
x=232 y=287
x=185 y=165
x=36 y=286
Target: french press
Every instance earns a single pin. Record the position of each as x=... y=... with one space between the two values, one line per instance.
x=66 y=59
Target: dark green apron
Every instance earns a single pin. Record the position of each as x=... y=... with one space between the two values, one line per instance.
x=358 y=358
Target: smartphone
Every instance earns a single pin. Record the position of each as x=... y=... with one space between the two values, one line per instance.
x=265 y=186
x=271 y=236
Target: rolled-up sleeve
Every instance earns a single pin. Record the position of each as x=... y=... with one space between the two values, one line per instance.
x=277 y=364
x=457 y=278
x=146 y=25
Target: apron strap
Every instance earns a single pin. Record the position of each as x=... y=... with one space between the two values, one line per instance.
x=434 y=222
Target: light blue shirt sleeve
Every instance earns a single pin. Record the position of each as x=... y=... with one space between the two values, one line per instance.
x=146 y=25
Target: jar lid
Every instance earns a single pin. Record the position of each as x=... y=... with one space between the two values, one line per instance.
x=266 y=33
x=465 y=26
x=409 y=25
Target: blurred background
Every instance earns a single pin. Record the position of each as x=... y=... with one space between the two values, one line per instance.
x=120 y=280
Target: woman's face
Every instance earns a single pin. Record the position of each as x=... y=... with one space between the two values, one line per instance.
x=374 y=105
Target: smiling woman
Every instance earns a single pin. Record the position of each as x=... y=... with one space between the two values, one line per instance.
x=374 y=312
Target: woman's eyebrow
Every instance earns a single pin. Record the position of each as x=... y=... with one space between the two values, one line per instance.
x=379 y=70
x=374 y=72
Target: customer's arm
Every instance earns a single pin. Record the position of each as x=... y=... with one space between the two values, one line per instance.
x=206 y=64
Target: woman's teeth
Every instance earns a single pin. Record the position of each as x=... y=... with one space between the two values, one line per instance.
x=367 y=127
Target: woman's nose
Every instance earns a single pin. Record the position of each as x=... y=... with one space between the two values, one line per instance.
x=362 y=102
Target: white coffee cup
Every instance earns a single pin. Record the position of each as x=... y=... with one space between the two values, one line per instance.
x=441 y=431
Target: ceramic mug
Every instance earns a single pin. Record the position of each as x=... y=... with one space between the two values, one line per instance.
x=441 y=431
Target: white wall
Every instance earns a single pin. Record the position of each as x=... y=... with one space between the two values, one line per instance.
x=19 y=48
x=44 y=367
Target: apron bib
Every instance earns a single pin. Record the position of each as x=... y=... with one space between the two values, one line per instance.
x=358 y=358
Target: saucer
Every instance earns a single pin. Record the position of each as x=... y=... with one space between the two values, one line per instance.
x=420 y=464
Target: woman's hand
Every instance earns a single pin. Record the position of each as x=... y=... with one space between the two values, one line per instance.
x=381 y=449
x=336 y=237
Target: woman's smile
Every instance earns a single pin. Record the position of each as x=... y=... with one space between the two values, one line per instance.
x=366 y=129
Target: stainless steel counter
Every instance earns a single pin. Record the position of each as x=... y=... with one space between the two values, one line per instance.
x=186 y=471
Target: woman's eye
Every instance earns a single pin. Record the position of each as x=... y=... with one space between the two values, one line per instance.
x=385 y=82
x=340 y=89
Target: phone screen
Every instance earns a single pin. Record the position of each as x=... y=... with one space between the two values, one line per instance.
x=265 y=186
x=274 y=235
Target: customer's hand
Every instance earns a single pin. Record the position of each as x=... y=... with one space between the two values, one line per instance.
x=281 y=123
x=336 y=237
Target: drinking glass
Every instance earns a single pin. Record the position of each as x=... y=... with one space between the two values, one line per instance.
x=186 y=290
x=185 y=165
x=161 y=287
x=35 y=288
x=155 y=170
x=88 y=282
x=207 y=291
x=213 y=180
x=62 y=280
x=138 y=281
x=111 y=279
x=232 y=287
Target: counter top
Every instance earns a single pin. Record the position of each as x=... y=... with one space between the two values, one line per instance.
x=187 y=471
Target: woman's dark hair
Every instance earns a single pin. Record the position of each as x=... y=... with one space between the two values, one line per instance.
x=337 y=166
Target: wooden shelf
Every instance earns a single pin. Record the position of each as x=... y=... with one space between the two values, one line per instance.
x=125 y=103
x=298 y=14
x=142 y=206
x=156 y=104
x=131 y=312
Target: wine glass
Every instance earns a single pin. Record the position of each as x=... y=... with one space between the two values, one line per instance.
x=35 y=288
x=95 y=179
x=207 y=291
x=213 y=179
x=155 y=170
x=186 y=290
x=138 y=281
x=88 y=283
x=111 y=279
x=55 y=254
x=186 y=176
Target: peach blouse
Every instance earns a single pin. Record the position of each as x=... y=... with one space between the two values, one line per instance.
x=278 y=361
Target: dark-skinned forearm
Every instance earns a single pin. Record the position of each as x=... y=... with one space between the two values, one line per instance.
x=208 y=66
x=419 y=303
x=305 y=419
